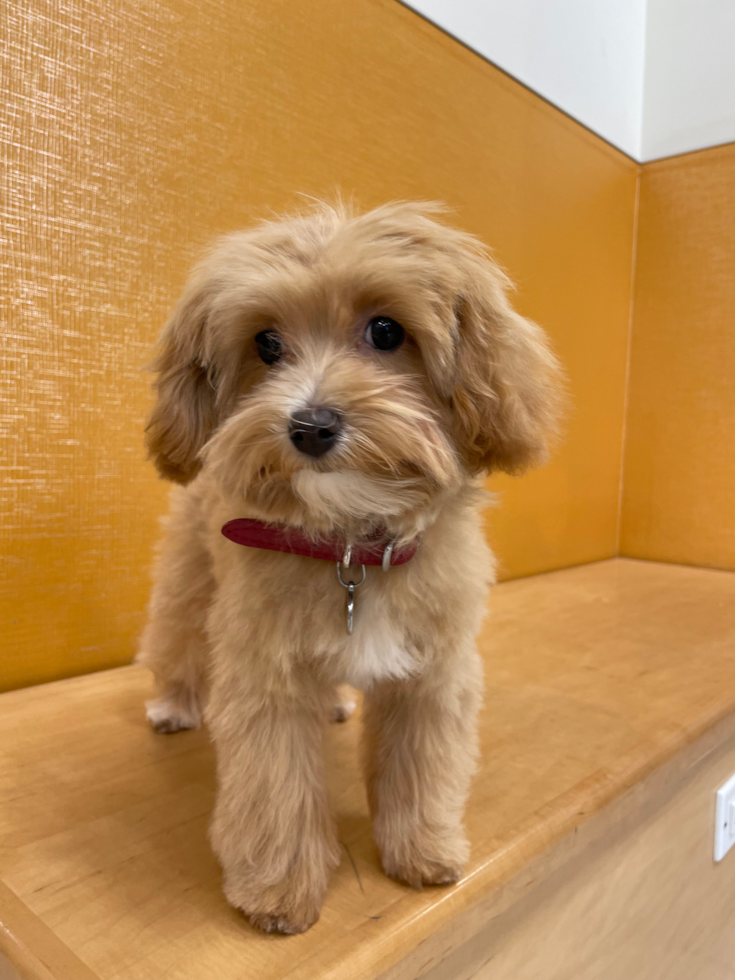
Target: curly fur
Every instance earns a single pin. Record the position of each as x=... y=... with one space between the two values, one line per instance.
x=256 y=639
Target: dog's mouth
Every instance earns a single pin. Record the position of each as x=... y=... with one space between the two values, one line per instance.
x=341 y=499
x=356 y=496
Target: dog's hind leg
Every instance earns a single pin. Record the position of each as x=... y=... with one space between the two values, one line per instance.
x=174 y=645
x=344 y=706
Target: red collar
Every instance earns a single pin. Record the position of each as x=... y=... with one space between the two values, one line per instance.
x=280 y=537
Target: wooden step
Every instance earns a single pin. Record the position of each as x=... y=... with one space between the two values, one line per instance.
x=610 y=701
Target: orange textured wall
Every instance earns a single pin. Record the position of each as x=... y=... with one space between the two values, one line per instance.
x=679 y=488
x=132 y=134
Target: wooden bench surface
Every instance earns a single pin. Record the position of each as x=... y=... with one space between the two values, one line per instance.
x=595 y=676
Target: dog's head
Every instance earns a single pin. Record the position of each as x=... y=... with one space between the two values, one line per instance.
x=335 y=370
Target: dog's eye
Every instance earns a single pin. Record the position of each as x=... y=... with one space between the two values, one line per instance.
x=384 y=334
x=270 y=346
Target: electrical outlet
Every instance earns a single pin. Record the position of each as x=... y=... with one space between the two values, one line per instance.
x=725 y=819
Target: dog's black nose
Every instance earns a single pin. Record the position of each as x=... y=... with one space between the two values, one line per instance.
x=314 y=431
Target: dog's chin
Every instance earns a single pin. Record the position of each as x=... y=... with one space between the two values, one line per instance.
x=349 y=498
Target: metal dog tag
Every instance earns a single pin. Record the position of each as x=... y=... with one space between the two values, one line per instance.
x=350 y=607
x=350 y=586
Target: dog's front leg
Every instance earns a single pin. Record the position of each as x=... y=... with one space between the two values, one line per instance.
x=420 y=750
x=271 y=829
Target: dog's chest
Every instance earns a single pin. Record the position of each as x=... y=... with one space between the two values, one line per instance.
x=377 y=650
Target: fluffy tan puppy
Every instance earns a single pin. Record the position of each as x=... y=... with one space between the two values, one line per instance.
x=351 y=377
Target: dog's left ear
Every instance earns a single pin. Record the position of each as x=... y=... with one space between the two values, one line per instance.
x=185 y=413
x=507 y=382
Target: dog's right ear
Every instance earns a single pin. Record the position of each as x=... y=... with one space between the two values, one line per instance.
x=185 y=413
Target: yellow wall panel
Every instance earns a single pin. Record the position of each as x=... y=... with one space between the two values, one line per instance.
x=679 y=487
x=132 y=134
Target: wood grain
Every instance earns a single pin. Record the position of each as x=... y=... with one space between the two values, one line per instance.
x=29 y=950
x=597 y=678
x=645 y=901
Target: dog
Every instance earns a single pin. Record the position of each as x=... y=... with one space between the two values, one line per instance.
x=331 y=388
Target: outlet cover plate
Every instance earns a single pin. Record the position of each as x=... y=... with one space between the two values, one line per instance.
x=725 y=819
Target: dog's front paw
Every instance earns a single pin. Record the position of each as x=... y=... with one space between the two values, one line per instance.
x=286 y=908
x=418 y=862
x=419 y=871
x=285 y=924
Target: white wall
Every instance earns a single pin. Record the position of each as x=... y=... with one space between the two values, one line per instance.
x=585 y=56
x=654 y=77
x=689 y=88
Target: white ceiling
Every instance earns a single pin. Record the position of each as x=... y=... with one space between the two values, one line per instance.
x=653 y=77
